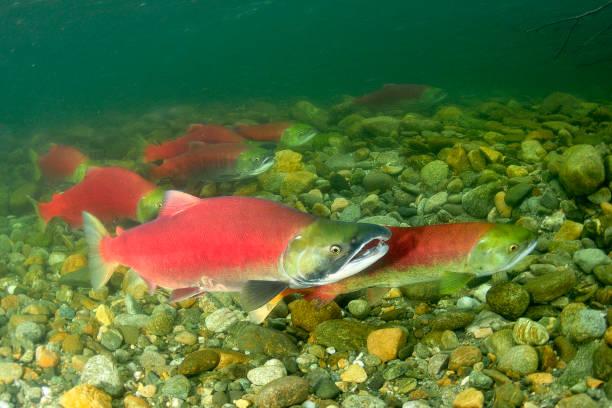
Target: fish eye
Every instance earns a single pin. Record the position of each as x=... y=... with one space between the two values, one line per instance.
x=256 y=159
x=512 y=247
x=335 y=249
x=158 y=205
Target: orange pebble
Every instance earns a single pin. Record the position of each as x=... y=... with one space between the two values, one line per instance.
x=46 y=358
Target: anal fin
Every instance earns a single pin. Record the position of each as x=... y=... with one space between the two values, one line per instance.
x=257 y=293
x=185 y=293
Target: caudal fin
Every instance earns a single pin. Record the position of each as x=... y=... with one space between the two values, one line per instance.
x=100 y=270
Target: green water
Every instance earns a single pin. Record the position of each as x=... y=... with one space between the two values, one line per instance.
x=70 y=59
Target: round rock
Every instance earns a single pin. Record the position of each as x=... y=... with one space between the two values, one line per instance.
x=283 y=392
x=435 y=172
x=587 y=259
x=509 y=299
x=582 y=170
x=100 y=372
x=519 y=361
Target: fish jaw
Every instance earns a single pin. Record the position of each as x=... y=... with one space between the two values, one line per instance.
x=328 y=251
x=149 y=205
x=500 y=249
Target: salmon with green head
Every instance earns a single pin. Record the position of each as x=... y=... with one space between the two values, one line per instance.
x=255 y=246
x=451 y=254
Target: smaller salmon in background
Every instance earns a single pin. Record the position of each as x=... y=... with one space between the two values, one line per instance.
x=286 y=134
x=215 y=162
x=111 y=193
x=60 y=162
x=196 y=133
x=394 y=94
x=255 y=246
x=451 y=254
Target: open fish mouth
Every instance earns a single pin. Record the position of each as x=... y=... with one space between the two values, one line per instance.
x=364 y=256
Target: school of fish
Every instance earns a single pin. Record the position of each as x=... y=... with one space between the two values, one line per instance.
x=260 y=248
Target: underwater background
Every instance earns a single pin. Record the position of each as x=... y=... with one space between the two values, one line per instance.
x=62 y=59
x=479 y=133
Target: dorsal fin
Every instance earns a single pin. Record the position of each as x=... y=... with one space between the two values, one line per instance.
x=177 y=201
x=119 y=230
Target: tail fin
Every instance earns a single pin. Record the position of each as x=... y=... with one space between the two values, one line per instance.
x=42 y=222
x=34 y=159
x=100 y=270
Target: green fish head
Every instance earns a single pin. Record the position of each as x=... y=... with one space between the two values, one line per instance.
x=149 y=205
x=433 y=96
x=297 y=135
x=79 y=172
x=327 y=251
x=254 y=161
x=502 y=247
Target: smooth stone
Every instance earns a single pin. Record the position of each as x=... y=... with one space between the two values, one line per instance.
x=283 y=392
x=266 y=374
x=358 y=308
x=588 y=324
x=220 y=320
x=385 y=343
x=308 y=316
x=509 y=299
x=177 y=386
x=101 y=372
x=577 y=401
x=253 y=338
x=85 y=396
x=526 y=331
x=515 y=194
x=451 y=320
x=603 y=273
x=29 y=332
x=550 y=286
x=478 y=201
x=464 y=356
x=480 y=380
x=580 y=367
x=602 y=362
x=519 y=361
x=375 y=180
x=198 y=362
x=434 y=172
x=532 y=151
x=10 y=372
x=363 y=401
x=435 y=202
x=341 y=334
x=582 y=170
x=469 y=398
x=587 y=259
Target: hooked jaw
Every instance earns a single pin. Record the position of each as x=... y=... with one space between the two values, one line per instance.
x=365 y=248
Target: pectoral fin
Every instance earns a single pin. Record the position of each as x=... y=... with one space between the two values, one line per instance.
x=453 y=281
x=374 y=295
x=258 y=315
x=257 y=293
x=185 y=293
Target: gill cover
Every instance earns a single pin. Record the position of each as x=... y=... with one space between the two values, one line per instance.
x=297 y=135
x=254 y=161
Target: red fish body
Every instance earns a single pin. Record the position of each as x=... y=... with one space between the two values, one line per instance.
x=269 y=132
x=200 y=158
x=60 y=162
x=233 y=243
x=111 y=193
x=391 y=94
x=196 y=133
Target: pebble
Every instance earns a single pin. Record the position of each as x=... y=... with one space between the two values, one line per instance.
x=500 y=204
x=220 y=320
x=587 y=325
x=532 y=151
x=478 y=201
x=283 y=392
x=198 y=362
x=434 y=172
x=519 y=361
x=272 y=370
x=85 y=396
x=111 y=339
x=464 y=356
x=363 y=401
x=132 y=401
x=509 y=299
x=603 y=273
x=385 y=343
x=509 y=394
x=161 y=321
x=480 y=380
x=339 y=203
x=10 y=372
x=359 y=308
x=577 y=401
x=467 y=303
x=29 y=332
x=517 y=193
x=582 y=170
x=104 y=315
x=100 y=372
x=186 y=337
x=435 y=202
x=451 y=320
x=376 y=180
x=354 y=374
x=587 y=259
x=46 y=358
x=469 y=398
x=602 y=362
x=308 y=316
x=177 y=386
x=344 y=335
x=526 y=331
x=415 y=404
x=437 y=363
x=550 y=286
